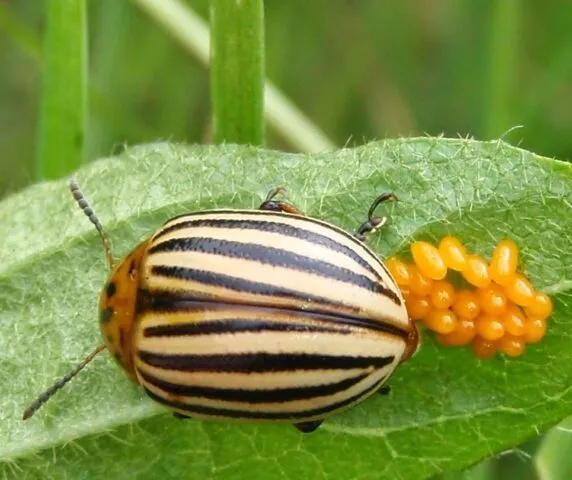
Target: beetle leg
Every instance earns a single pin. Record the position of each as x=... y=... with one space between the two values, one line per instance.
x=308 y=427
x=373 y=223
x=278 y=205
x=180 y=416
x=384 y=390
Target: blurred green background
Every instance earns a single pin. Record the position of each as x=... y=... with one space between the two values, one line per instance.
x=360 y=69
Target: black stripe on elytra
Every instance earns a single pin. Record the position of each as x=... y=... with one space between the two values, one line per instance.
x=267 y=255
x=246 y=414
x=238 y=284
x=234 y=325
x=166 y=302
x=277 y=227
x=273 y=395
x=260 y=362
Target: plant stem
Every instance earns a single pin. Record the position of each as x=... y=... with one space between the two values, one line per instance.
x=237 y=71
x=502 y=57
x=63 y=98
x=192 y=33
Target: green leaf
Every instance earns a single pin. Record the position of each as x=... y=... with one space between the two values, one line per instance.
x=552 y=460
x=446 y=411
x=63 y=107
x=237 y=71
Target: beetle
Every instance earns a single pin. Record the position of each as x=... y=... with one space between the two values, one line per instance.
x=252 y=315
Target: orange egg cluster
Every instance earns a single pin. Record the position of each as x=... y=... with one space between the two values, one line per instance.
x=500 y=311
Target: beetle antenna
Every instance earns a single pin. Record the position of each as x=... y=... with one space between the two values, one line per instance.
x=89 y=213
x=45 y=396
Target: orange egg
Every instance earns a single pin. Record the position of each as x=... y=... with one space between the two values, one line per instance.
x=492 y=299
x=476 y=271
x=504 y=262
x=502 y=312
x=441 y=321
x=453 y=253
x=513 y=320
x=512 y=346
x=405 y=292
x=483 y=348
x=466 y=304
x=541 y=306
x=534 y=330
x=417 y=307
x=419 y=284
x=399 y=270
x=461 y=336
x=520 y=291
x=428 y=260
x=442 y=294
x=489 y=327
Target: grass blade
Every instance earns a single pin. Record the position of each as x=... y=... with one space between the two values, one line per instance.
x=63 y=91
x=237 y=71
x=192 y=33
x=502 y=58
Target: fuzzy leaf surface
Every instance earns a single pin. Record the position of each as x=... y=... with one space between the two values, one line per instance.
x=446 y=410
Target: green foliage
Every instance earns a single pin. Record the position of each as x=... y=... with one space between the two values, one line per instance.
x=63 y=111
x=446 y=411
x=360 y=70
x=237 y=71
x=501 y=68
x=553 y=458
x=18 y=32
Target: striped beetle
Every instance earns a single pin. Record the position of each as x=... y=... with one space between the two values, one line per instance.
x=253 y=315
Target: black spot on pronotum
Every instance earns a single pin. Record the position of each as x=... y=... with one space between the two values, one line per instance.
x=109 y=339
x=105 y=315
x=111 y=289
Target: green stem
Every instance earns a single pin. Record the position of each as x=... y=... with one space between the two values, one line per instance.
x=63 y=105
x=501 y=71
x=237 y=71
x=192 y=33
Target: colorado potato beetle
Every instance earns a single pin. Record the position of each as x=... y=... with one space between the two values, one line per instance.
x=252 y=315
